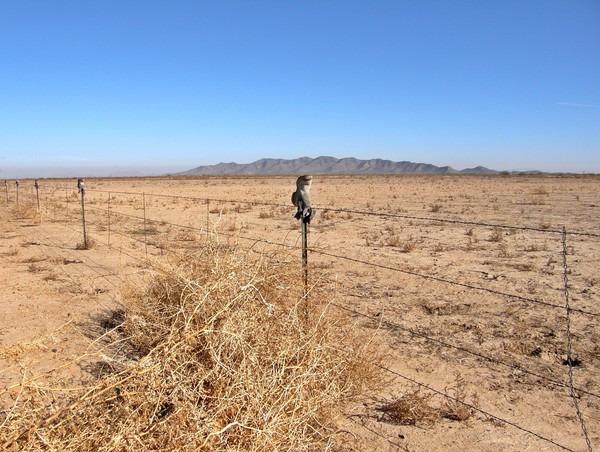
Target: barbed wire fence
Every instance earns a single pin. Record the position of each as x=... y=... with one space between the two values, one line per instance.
x=109 y=216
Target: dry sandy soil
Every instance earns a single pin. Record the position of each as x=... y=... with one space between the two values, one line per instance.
x=461 y=278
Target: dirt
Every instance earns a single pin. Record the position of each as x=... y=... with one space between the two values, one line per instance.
x=461 y=279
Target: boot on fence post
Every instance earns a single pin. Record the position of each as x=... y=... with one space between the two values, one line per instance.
x=301 y=199
x=17 y=185
x=81 y=189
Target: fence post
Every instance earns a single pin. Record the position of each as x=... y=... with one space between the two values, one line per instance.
x=6 y=189
x=145 y=230
x=67 y=202
x=81 y=189
x=207 y=216
x=37 y=196
x=17 y=184
x=301 y=199
x=569 y=361
x=305 y=256
x=108 y=210
x=37 y=193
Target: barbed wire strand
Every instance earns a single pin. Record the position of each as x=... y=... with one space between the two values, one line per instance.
x=86 y=261
x=568 y=309
x=387 y=267
x=362 y=212
x=497 y=418
x=513 y=366
x=49 y=247
x=363 y=425
x=473 y=407
x=447 y=281
x=409 y=330
x=440 y=280
x=351 y=211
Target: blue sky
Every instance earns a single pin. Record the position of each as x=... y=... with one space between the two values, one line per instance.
x=165 y=85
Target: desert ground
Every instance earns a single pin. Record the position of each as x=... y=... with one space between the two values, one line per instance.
x=483 y=292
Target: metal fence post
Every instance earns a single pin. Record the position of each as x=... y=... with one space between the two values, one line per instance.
x=67 y=202
x=37 y=193
x=207 y=216
x=81 y=189
x=301 y=199
x=17 y=185
x=145 y=229
x=108 y=219
x=305 y=255
x=6 y=189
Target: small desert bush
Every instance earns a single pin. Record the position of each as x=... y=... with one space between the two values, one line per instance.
x=327 y=215
x=87 y=245
x=496 y=235
x=36 y=268
x=223 y=353
x=455 y=406
x=406 y=246
x=264 y=214
x=413 y=408
x=26 y=211
x=417 y=407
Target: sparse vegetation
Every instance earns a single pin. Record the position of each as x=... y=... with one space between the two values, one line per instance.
x=194 y=359
x=412 y=408
x=496 y=236
x=87 y=245
x=221 y=353
x=455 y=406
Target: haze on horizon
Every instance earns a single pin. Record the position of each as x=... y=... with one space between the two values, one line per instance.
x=142 y=88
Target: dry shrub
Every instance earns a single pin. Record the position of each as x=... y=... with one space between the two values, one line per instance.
x=496 y=236
x=26 y=211
x=87 y=245
x=35 y=267
x=416 y=408
x=223 y=354
x=413 y=408
x=455 y=407
x=264 y=214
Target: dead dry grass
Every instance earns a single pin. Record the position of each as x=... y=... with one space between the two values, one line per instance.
x=217 y=350
x=26 y=211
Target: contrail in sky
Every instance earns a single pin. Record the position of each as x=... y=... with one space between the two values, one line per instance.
x=571 y=104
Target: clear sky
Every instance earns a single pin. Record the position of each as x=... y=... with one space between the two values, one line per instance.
x=165 y=85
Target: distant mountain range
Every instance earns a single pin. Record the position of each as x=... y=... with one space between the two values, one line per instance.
x=326 y=165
